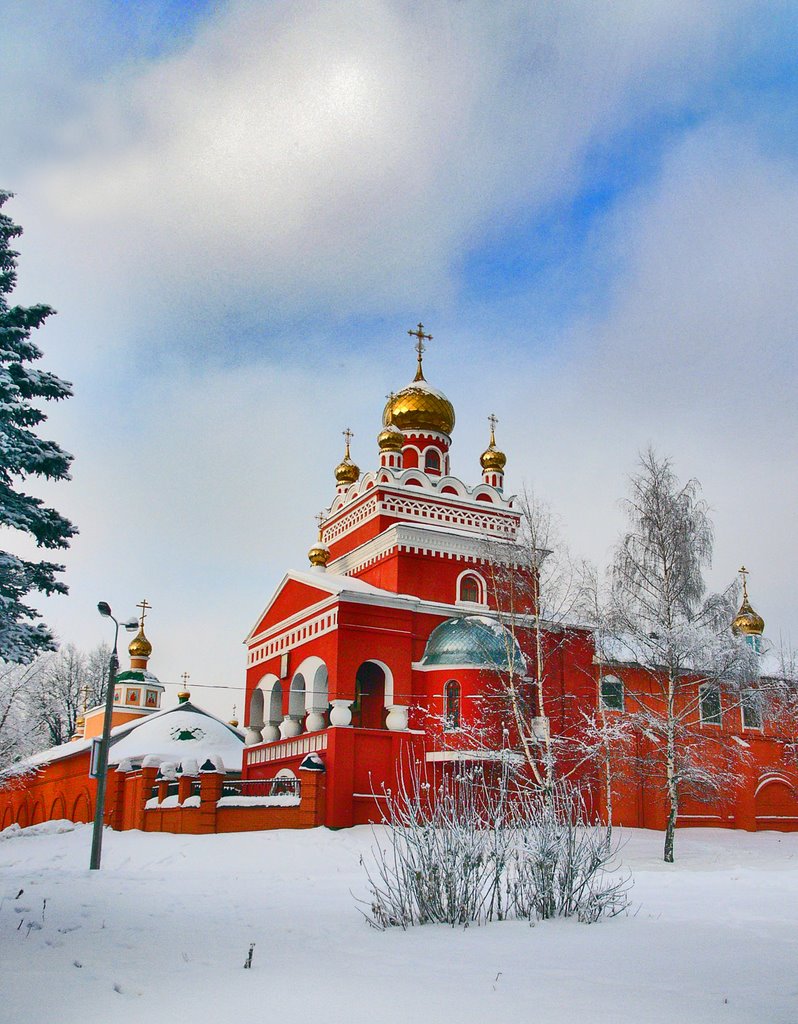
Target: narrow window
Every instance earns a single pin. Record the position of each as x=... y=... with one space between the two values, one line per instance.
x=432 y=461
x=451 y=706
x=709 y=705
x=611 y=693
x=751 y=704
x=469 y=589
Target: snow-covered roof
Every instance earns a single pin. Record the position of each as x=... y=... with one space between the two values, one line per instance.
x=154 y=735
x=181 y=733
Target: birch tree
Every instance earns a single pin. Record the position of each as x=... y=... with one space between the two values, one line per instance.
x=535 y=587
x=675 y=637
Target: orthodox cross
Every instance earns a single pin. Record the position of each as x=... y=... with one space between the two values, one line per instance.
x=493 y=421
x=185 y=677
x=348 y=435
x=320 y=520
x=144 y=609
x=744 y=572
x=420 y=347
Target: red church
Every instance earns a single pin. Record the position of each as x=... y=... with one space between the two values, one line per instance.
x=389 y=645
x=390 y=650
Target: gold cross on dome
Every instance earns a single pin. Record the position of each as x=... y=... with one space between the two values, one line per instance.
x=744 y=572
x=422 y=337
x=185 y=677
x=144 y=609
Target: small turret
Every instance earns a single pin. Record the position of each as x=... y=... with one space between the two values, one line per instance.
x=319 y=554
x=492 y=460
x=747 y=622
x=346 y=472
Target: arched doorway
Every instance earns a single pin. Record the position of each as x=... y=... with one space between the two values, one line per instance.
x=368 y=710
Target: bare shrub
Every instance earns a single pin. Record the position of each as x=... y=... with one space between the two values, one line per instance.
x=476 y=846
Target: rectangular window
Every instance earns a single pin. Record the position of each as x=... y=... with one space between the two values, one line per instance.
x=611 y=693
x=709 y=705
x=751 y=705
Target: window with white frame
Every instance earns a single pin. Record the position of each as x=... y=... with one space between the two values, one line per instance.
x=709 y=704
x=470 y=589
x=451 y=706
x=611 y=693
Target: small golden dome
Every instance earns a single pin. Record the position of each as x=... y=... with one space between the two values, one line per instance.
x=747 y=622
x=391 y=439
x=319 y=554
x=346 y=472
x=492 y=460
x=140 y=646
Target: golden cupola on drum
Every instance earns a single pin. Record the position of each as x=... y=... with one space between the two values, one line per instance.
x=492 y=459
x=425 y=418
x=748 y=623
x=346 y=472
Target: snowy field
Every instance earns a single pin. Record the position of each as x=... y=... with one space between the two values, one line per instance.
x=162 y=931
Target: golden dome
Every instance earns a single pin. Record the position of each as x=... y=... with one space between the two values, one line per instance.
x=747 y=622
x=492 y=460
x=419 y=407
x=319 y=554
x=140 y=646
x=391 y=439
x=346 y=472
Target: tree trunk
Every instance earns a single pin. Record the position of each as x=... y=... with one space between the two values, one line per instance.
x=672 y=788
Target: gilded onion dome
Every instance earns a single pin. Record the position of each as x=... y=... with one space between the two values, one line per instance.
x=747 y=622
x=346 y=472
x=391 y=439
x=140 y=646
x=319 y=555
x=420 y=407
x=492 y=460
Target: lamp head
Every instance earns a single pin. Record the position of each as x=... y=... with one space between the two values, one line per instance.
x=131 y=625
x=104 y=609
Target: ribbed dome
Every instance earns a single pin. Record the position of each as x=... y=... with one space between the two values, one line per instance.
x=747 y=621
x=140 y=646
x=474 y=640
x=346 y=472
x=391 y=439
x=492 y=460
x=319 y=554
x=420 y=407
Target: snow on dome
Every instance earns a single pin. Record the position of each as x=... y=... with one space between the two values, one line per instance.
x=183 y=734
x=474 y=640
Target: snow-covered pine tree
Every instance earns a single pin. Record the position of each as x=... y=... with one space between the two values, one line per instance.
x=24 y=454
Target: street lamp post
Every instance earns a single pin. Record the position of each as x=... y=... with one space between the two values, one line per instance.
x=102 y=755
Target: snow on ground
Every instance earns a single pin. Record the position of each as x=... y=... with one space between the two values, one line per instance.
x=161 y=933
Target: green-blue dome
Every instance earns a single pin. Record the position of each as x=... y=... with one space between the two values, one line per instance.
x=474 y=640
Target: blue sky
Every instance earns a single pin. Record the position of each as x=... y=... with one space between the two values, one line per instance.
x=238 y=209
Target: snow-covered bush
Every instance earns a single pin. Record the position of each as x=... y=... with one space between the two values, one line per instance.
x=475 y=846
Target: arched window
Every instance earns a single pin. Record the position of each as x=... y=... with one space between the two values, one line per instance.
x=432 y=461
x=451 y=706
x=470 y=589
